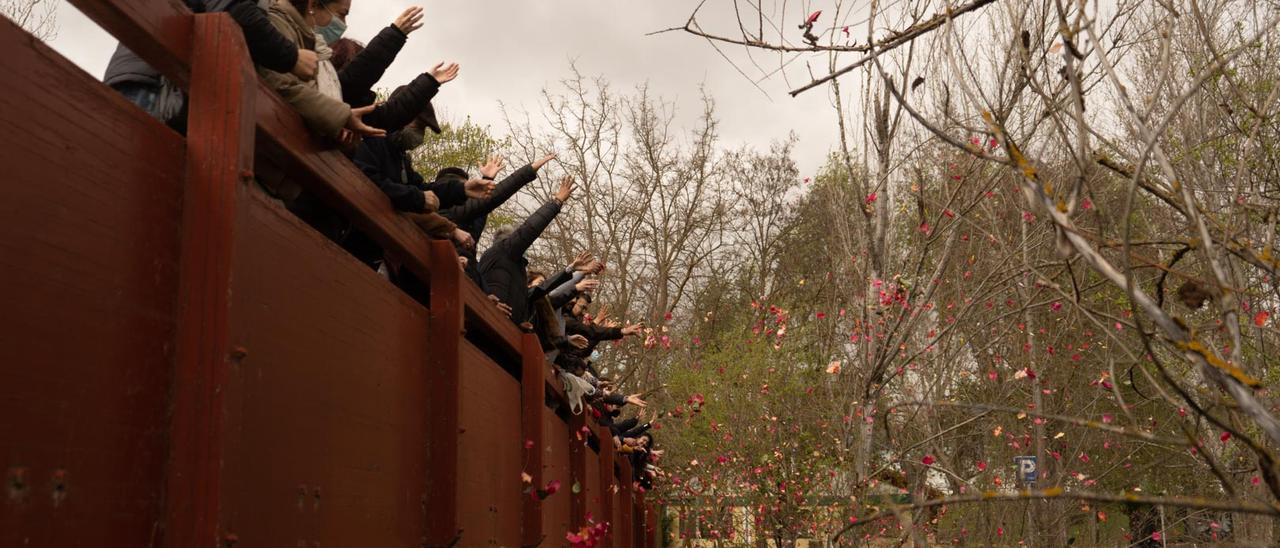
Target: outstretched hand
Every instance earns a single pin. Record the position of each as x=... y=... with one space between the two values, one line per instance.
x=410 y=20
x=491 y=167
x=480 y=188
x=445 y=73
x=582 y=261
x=566 y=189
x=537 y=164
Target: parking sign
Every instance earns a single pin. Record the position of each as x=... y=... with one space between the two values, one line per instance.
x=1027 y=470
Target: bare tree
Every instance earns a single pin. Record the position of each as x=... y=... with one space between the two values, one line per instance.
x=1107 y=169
x=39 y=17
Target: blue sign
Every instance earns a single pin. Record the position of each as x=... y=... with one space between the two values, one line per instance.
x=1027 y=470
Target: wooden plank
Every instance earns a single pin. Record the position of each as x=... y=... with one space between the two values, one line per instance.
x=489 y=446
x=159 y=31
x=557 y=511
x=652 y=525
x=315 y=165
x=607 y=484
x=626 y=512
x=578 y=463
x=89 y=227
x=333 y=393
x=485 y=319
x=443 y=407
x=533 y=384
x=219 y=159
x=593 y=501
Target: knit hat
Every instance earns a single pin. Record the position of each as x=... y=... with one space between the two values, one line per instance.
x=452 y=172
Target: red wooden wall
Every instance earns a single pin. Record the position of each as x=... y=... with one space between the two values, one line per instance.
x=183 y=363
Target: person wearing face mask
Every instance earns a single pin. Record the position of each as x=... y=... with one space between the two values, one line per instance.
x=319 y=101
x=360 y=67
x=354 y=78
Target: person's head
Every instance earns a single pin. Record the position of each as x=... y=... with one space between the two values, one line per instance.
x=535 y=278
x=645 y=440
x=452 y=173
x=502 y=233
x=344 y=50
x=329 y=17
x=580 y=304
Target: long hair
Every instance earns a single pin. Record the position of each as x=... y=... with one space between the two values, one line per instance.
x=344 y=50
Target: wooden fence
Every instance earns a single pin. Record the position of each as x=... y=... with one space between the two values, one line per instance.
x=183 y=363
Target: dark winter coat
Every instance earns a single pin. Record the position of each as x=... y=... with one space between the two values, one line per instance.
x=392 y=171
x=472 y=215
x=365 y=70
x=267 y=46
x=505 y=268
x=594 y=333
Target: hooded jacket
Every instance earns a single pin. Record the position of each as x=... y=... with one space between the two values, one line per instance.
x=504 y=266
x=268 y=47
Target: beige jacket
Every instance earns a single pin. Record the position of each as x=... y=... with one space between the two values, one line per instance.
x=323 y=114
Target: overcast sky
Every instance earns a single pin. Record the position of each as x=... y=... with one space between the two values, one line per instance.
x=510 y=49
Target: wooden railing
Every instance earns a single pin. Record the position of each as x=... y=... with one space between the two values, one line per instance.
x=186 y=364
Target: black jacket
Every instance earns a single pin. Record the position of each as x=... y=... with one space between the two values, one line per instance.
x=472 y=215
x=620 y=427
x=504 y=267
x=365 y=69
x=595 y=334
x=392 y=171
x=266 y=45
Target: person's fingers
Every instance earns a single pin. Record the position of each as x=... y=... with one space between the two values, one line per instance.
x=370 y=131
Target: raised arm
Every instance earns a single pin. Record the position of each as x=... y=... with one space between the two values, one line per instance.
x=528 y=232
x=366 y=68
x=465 y=214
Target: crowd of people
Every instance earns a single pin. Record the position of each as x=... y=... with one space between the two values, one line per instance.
x=300 y=52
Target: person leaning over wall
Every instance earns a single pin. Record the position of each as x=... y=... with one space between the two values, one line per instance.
x=144 y=86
